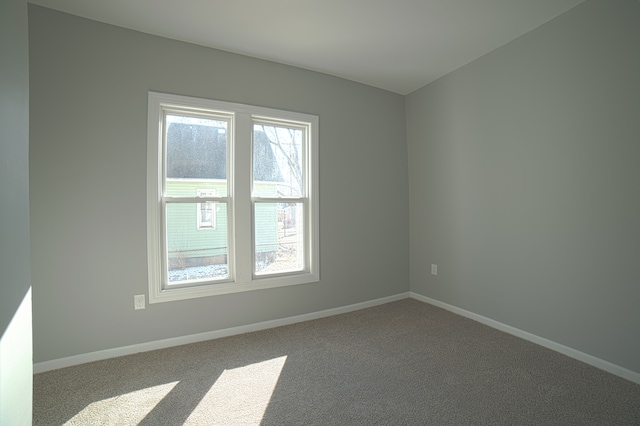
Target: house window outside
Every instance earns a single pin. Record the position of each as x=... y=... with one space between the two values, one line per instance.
x=206 y=212
x=232 y=198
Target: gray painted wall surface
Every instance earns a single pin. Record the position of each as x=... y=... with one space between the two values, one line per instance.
x=89 y=85
x=15 y=297
x=524 y=170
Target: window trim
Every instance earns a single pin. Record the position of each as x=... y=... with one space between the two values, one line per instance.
x=240 y=221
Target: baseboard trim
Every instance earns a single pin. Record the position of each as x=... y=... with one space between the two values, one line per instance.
x=216 y=334
x=55 y=364
x=565 y=350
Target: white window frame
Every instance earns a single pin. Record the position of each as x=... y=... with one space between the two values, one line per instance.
x=239 y=200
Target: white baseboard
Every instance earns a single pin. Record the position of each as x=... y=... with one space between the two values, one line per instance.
x=565 y=350
x=200 y=337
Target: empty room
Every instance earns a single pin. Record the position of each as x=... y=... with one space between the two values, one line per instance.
x=297 y=212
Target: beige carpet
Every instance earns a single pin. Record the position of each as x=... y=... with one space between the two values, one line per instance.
x=403 y=363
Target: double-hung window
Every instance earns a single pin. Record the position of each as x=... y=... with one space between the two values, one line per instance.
x=232 y=197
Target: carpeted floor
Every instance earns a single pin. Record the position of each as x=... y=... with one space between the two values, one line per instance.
x=402 y=363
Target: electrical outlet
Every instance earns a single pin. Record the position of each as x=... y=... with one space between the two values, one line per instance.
x=434 y=269
x=138 y=301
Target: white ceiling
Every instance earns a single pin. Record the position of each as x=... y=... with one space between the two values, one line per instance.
x=397 y=45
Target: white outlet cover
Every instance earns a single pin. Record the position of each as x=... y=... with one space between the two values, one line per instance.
x=138 y=301
x=434 y=269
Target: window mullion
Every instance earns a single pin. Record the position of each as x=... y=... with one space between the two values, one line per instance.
x=242 y=196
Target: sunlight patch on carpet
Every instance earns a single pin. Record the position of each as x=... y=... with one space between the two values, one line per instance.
x=126 y=409
x=240 y=395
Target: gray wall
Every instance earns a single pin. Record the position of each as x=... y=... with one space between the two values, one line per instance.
x=15 y=282
x=524 y=170
x=89 y=85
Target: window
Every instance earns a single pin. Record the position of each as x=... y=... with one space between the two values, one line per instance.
x=232 y=198
x=206 y=212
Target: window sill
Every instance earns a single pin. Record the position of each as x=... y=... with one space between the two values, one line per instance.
x=206 y=290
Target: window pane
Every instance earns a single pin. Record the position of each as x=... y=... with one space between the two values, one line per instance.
x=279 y=238
x=196 y=150
x=277 y=161
x=196 y=253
